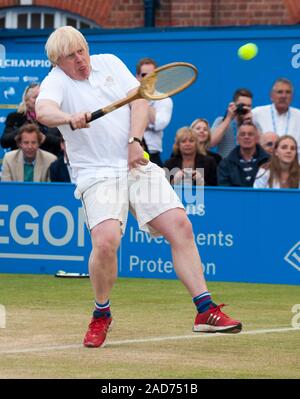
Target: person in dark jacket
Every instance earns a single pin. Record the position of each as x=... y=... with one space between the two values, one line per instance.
x=239 y=168
x=60 y=170
x=188 y=165
x=26 y=114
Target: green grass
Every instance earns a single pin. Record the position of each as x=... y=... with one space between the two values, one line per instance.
x=44 y=311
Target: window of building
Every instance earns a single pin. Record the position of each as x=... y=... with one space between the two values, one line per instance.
x=41 y=18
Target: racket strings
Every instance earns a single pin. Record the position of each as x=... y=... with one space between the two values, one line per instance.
x=165 y=82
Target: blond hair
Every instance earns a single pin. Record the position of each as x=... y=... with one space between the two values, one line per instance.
x=63 y=41
x=181 y=134
x=22 y=106
x=205 y=146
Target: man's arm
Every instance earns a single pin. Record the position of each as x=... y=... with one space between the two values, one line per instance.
x=48 y=113
x=219 y=131
x=139 y=121
x=160 y=114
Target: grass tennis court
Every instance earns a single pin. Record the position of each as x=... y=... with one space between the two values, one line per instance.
x=152 y=335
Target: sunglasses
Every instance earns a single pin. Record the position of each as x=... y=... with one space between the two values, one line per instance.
x=270 y=144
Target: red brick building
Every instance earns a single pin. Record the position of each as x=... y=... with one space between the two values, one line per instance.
x=160 y=13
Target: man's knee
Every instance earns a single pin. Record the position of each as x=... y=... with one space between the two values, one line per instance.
x=105 y=243
x=183 y=228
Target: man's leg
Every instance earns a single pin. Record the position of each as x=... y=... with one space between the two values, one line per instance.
x=177 y=229
x=103 y=271
x=103 y=262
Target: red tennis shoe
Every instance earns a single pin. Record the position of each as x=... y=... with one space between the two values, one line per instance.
x=97 y=331
x=214 y=320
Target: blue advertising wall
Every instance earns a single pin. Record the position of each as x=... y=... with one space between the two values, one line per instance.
x=212 y=50
x=243 y=235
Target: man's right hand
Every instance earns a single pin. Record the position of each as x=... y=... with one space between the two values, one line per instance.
x=231 y=110
x=79 y=120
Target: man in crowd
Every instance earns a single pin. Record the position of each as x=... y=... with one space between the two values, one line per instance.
x=159 y=115
x=28 y=163
x=224 y=129
x=239 y=168
x=279 y=117
x=267 y=140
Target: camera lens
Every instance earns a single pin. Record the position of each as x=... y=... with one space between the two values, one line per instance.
x=241 y=110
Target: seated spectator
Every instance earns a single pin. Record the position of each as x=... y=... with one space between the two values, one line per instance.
x=26 y=114
x=202 y=129
x=28 y=163
x=224 y=129
x=283 y=169
x=60 y=170
x=239 y=168
x=279 y=117
x=187 y=164
x=267 y=141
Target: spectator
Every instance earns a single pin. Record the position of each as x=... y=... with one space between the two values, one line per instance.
x=26 y=114
x=60 y=170
x=187 y=164
x=283 y=169
x=279 y=117
x=224 y=129
x=239 y=168
x=267 y=141
x=160 y=113
x=202 y=129
x=28 y=163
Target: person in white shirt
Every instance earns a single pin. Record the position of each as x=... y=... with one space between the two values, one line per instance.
x=279 y=117
x=283 y=169
x=112 y=174
x=160 y=114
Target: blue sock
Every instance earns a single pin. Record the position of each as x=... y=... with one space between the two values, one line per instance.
x=203 y=302
x=102 y=310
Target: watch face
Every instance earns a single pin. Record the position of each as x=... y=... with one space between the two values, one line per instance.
x=130 y=140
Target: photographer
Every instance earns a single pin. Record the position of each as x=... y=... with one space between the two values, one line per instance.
x=224 y=129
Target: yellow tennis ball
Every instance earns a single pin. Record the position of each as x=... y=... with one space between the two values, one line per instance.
x=146 y=155
x=248 y=51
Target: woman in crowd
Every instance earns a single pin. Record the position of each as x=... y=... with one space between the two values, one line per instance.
x=283 y=170
x=26 y=114
x=202 y=129
x=188 y=163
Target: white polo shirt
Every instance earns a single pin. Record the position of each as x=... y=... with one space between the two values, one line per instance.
x=268 y=119
x=101 y=149
x=154 y=132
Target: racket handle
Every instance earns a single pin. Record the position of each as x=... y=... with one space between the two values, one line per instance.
x=96 y=115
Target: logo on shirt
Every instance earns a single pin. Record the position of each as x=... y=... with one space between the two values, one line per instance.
x=293 y=256
x=109 y=81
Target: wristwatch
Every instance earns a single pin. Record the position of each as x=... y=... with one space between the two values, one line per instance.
x=132 y=139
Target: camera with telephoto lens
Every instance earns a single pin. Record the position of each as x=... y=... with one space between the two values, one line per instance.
x=241 y=109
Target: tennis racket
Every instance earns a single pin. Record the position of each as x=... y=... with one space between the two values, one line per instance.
x=163 y=82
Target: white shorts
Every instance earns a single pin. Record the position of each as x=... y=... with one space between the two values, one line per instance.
x=144 y=191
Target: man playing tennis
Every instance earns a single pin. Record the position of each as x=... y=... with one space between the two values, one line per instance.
x=111 y=173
